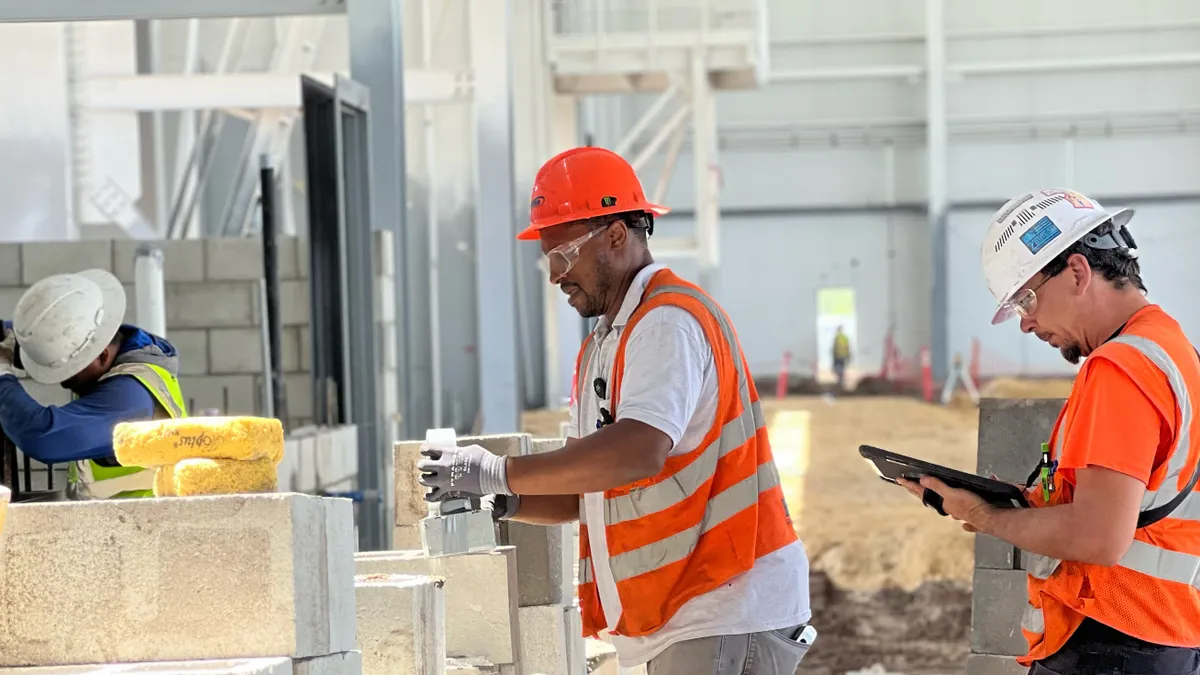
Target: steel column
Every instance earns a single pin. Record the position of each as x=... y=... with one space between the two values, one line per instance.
x=937 y=137
x=376 y=61
x=495 y=212
x=705 y=172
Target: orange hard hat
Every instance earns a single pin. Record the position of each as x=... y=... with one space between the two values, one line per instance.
x=584 y=183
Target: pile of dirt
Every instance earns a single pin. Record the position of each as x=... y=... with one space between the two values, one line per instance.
x=1012 y=387
x=926 y=630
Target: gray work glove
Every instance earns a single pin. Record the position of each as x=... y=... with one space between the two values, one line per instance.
x=466 y=471
x=503 y=507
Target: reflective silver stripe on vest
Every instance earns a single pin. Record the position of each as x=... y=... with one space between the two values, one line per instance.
x=90 y=488
x=1142 y=557
x=735 y=499
x=1032 y=620
x=585 y=571
x=734 y=434
x=689 y=479
x=150 y=378
x=1179 y=454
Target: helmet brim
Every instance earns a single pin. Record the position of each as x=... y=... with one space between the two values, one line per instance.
x=533 y=232
x=114 y=314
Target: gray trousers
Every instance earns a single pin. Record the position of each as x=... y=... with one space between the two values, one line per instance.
x=771 y=652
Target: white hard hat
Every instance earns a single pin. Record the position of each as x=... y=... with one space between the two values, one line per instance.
x=1030 y=231
x=65 y=321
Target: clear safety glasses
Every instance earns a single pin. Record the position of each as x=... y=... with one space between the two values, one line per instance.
x=1024 y=301
x=560 y=259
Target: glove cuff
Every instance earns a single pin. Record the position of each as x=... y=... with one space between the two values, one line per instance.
x=493 y=475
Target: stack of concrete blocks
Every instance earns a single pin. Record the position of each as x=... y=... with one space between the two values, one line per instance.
x=243 y=584
x=401 y=624
x=530 y=574
x=214 y=315
x=320 y=459
x=1011 y=432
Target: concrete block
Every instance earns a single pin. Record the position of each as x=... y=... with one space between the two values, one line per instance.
x=344 y=663
x=383 y=248
x=10 y=264
x=1011 y=432
x=406 y=537
x=457 y=533
x=993 y=554
x=289 y=257
x=456 y=666
x=410 y=494
x=401 y=624
x=576 y=647
x=297 y=349
x=298 y=469
x=991 y=664
x=197 y=578
x=233 y=258
x=40 y=259
x=254 y=666
x=540 y=445
x=294 y=302
x=218 y=304
x=481 y=597
x=509 y=445
x=235 y=351
x=385 y=299
x=998 y=600
x=183 y=259
x=299 y=394
x=336 y=456
x=192 y=346
x=231 y=394
x=544 y=562
x=543 y=640
x=8 y=301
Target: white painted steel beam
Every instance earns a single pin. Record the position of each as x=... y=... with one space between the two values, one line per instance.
x=937 y=144
x=489 y=26
x=245 y=90
x=109 y=10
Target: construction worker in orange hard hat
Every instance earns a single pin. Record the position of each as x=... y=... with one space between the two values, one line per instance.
x=688 y=557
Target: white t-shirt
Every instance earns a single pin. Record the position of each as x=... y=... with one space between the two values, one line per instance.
x=670 y=384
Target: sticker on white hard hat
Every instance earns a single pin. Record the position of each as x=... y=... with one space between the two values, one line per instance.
x=1039 y=234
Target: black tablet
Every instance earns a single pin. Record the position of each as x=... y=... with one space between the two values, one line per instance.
x=891 y=466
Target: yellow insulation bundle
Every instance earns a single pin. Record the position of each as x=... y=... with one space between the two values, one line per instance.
x=167 y=442
x=193 y=477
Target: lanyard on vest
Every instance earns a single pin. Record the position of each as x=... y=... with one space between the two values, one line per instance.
x=1145 y=518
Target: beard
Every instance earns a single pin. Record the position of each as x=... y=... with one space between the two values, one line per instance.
x=595 y=303
x=1072 y=353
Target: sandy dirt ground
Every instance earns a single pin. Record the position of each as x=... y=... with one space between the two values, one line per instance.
x=891 y=579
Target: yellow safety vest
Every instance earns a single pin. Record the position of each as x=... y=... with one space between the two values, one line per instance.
x=841 y=346
x=87 y=479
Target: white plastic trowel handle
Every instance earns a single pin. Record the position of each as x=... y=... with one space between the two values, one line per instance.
x=441 y=437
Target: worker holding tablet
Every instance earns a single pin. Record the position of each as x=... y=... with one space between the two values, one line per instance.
x=1115 y=535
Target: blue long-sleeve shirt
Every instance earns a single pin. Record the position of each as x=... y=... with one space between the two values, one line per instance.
x=82 y=429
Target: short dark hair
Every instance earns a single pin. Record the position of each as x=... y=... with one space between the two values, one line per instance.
x=1117 y=265
x=640 y=223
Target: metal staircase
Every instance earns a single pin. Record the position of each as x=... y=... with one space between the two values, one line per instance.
x=684 y=50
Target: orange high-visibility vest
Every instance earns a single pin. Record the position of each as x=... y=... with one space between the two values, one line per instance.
x=710 y=513
x=1150 y=594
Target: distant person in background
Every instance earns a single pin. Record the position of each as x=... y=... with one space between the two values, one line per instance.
x=841 y=356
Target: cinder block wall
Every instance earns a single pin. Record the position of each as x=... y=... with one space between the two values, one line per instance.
x=214 y=313
x=1011 y=432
